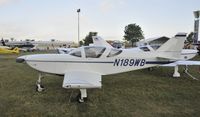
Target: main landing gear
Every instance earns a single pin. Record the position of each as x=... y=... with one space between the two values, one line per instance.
x=177 y=74
x=82 y=96
x=39 y=86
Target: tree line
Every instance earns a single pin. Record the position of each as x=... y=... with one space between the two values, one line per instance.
x=132 y=33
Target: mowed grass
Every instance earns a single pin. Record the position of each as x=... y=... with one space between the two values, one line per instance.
x=139 y=93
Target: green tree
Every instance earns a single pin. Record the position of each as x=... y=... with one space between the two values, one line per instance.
x=88 y=38
x=190 y=37
x=80 y=43
x=133 y=33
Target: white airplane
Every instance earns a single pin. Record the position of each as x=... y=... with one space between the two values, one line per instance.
x=3 y=46
x=97 y=41
x=184 y=60
x=83 y=67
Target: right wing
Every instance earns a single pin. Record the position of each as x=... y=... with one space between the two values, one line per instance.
x=182 y=63
x=81 y=79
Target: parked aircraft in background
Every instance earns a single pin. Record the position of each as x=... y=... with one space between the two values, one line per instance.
x=31 y=45
x=7 y=50
x=4 y=45
x=186 y=54
x=97 y=41
x=83 y=67
x=23 y=46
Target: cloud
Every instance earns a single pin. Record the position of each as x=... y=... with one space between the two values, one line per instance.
x=4 y=2
x=108 y=5
x=59 y=27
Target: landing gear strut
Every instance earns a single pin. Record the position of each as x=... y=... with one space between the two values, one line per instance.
x=186 y=71
x=176 y=73
x=39 y=86
x=82 y=97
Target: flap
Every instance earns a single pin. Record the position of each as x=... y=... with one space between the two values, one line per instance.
x=81 y=79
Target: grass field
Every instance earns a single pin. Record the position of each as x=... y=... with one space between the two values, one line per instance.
x=134 y=94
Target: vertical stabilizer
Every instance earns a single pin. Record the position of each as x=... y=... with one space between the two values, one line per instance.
x=98 y=41
x=3 y=42
x=16 y=50
x=173 y=47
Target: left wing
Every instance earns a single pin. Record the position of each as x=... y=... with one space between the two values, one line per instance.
x=182 y=63
x=81 y=80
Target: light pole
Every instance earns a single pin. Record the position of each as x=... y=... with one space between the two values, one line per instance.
x=78 y=11
x=196 y=26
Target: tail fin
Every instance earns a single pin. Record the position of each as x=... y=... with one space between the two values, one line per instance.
x=3 y=42
x=173 y=47
x=16 y=50
x=98 y=41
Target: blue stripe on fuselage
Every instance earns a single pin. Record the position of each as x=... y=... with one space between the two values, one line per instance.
x=108 y=62
x=159 y=62
x=72 y=61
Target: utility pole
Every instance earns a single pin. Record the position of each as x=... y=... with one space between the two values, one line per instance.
x=78 y=11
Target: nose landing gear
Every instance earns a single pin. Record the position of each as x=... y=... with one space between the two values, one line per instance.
x=39 y=86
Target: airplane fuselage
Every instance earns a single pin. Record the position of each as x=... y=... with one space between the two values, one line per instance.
x=62 y=63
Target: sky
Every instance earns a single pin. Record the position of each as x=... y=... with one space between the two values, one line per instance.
x=58 y=19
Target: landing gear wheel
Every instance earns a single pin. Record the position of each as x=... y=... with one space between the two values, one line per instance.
x=39 y=88
x=78 y=97
x=81 y=100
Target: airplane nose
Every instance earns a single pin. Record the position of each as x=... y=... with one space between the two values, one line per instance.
x=20 y=59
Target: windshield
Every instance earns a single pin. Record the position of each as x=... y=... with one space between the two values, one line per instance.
x=94 y=52
x=114 y=52
x=144 y=48
x=76 y=53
